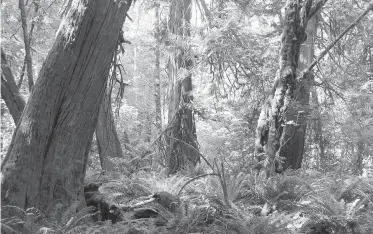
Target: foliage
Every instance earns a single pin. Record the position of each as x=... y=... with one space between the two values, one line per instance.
x=296 y=202
x=16 y=220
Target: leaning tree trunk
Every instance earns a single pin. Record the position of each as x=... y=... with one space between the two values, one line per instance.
x=10 y=91
x=282 y=118
x=106 y=134
x=182 y=149
x=46 y=160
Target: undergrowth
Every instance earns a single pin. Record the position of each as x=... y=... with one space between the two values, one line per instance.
x=294 y=202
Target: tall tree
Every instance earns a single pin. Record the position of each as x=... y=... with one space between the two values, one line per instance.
x=46 y=160
x=276 y=125
x=317 y=124
x=298 y=112
x=281 y=125
x=181 y=137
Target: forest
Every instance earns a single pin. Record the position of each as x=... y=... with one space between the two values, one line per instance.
x=186 y=116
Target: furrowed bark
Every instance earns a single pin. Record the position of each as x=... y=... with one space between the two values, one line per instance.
x=46 y=160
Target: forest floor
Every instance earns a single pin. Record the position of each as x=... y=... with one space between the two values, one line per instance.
x=302 y=201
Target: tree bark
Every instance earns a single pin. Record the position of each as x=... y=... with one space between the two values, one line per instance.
x=46 y=160
x=281 y=117
x=28 y=59
x=106 y=134
x=182 y=149
x=9 y=90
x=293 y=145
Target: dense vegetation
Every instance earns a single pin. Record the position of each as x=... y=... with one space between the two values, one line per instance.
x=194 y=117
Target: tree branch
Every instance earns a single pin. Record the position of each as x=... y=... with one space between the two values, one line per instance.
x=325 y=51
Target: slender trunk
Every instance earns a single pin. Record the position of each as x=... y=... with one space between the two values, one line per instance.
x=157 y=83
x=9 y=90
x=182 y=149
x=206 y=11
x=147 y=131
x=46 y=160
x=36 y=4
x=106 y=134
x=26 y=40
x=318 y=138
x=20 y=81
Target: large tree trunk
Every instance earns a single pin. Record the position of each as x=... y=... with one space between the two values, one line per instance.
x=10 y=91
x=293 y=142
x=281 y=125
x=106 y=134
x=46 y=160
x=182 y=149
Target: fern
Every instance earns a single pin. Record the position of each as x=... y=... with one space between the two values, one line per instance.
x=17 y=220
x=343 y=210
